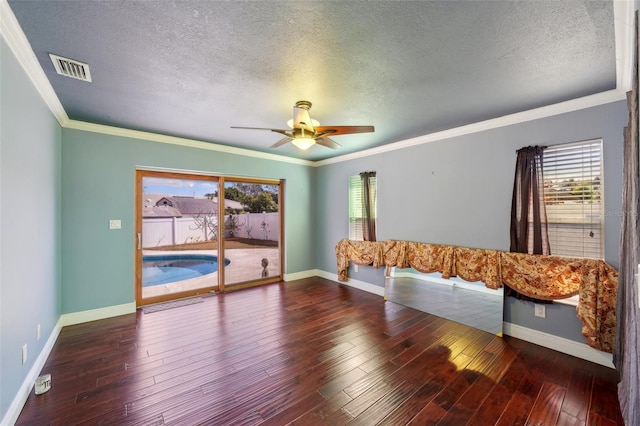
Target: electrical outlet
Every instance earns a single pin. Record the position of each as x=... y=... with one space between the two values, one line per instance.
x=355 y=268
x=38 y=332
x=115 y=224
x=540 y=310
x=24 y=354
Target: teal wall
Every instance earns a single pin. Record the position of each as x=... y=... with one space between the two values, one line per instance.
x=98 y=184
x=458 y=192
x=30 y=211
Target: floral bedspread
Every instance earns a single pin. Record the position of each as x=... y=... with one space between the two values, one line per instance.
x=539 y=276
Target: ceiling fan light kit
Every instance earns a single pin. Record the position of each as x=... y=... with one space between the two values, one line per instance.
x=305 y=132
x=303 y=143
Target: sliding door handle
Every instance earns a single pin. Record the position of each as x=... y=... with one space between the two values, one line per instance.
x=139 y=240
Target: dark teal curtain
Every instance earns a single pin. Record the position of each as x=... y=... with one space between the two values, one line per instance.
x=369 y=194
x=528 y=213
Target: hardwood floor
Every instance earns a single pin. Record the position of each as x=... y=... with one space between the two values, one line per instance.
x=311 y=352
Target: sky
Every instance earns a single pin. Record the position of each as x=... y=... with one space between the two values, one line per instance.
x=187 y=187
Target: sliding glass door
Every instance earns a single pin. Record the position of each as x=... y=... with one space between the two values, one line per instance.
x=177 y=236
x=252 y=232
x=198 y=234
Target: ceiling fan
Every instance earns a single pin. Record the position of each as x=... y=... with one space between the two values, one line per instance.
x=305 y=132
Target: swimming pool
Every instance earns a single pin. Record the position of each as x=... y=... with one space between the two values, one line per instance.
x=167 y=268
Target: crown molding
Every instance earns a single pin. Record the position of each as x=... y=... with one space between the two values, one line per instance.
x=21 y=48
x=16 y=40
x=624 y=22
x=507 y=120
x=623 y=11
x=174 y=140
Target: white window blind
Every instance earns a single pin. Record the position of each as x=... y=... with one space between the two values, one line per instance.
x=573 y=193
x=356 y=206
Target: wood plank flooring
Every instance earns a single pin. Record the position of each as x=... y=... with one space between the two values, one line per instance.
x=311 y=352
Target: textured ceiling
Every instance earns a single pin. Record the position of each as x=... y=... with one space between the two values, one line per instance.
x=194 y=68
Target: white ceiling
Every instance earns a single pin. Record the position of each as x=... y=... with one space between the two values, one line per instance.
x=192 y=69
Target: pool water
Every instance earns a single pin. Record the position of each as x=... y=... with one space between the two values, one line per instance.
x=168 y=268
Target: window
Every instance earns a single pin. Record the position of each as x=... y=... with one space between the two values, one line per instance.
x=358 y=206
x=573 y=195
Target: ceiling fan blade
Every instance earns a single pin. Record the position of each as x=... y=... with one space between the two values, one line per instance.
x=262 y=128
x=302 y=119
x=250 y=128
x=325 y=141
x=343 y=130
x=281 y=142
x=286 y=132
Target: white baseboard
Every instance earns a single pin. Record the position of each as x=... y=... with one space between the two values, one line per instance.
x=560 y=344
x=327 y=275
x=301 y=275
x=361 y=285
x=20 y=399
x=66 y=319
x=97 y=314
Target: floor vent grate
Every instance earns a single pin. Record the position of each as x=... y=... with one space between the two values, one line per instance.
x=170 y=305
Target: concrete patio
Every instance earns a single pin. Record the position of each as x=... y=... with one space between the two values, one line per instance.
x=245 y=265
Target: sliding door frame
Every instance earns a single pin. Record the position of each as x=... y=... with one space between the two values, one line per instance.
x=220 y=180
x=221 y=249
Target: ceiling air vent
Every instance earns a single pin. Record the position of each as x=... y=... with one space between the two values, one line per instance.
x=70 y=68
